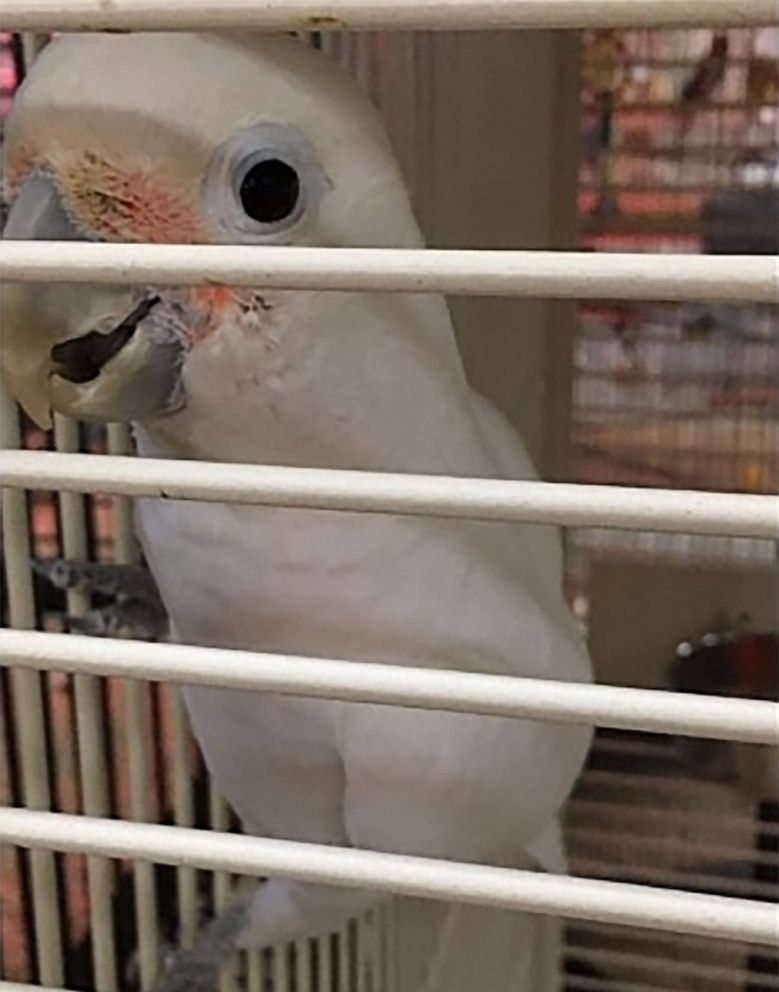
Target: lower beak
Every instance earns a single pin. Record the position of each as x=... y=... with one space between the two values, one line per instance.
x=91 y=351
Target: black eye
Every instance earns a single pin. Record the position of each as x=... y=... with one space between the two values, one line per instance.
x=270 y=191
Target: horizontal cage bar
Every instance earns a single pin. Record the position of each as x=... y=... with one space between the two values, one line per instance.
x=339 y=15
x=748 y=720
x=569 y=504
x=579 y=275
x=16 y=987
x=625 y=904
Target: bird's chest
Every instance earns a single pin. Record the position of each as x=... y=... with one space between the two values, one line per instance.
x=236 y=577
x=291 y=581
x=275 y=759
x=282 y=582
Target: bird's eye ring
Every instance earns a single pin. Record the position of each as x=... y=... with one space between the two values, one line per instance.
x=262 y=183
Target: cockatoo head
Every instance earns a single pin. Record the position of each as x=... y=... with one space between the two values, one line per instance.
x=177 y=138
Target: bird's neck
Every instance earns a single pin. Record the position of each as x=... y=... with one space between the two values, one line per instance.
x=346 y=381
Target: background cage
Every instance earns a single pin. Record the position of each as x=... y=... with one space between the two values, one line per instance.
x=666 y=395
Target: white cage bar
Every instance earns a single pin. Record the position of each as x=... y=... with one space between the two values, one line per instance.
x=17 y=987
x=570 y=275
x=340 y=15
x=90 y=729
x=28 y=699
x=184 y=816
x=569 y=504
x=749 y=720
x=575 y=898
x=136 y=735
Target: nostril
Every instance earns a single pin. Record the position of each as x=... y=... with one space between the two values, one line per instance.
x=81 y=359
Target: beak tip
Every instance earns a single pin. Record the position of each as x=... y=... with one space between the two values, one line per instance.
x=39 y=413
x=41 y=418
x=34 y=402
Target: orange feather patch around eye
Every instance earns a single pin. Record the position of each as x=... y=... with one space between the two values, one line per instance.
x=127 y=205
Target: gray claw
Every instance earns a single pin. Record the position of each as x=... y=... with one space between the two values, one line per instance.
x=132 y=969
x=137 y=612
x=129 y=619
x=197 y=968
x=119 y=581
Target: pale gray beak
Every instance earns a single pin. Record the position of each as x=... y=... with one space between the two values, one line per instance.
x=92 y=351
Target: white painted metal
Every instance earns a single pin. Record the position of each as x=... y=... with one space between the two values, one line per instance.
x=680 y=511
x=26 y=694
x=280 y=967
x=90 y=735
x=303 y=965
x=221 y=884
x=749 y=720
x=122 y=530
x=307 y=15
x=29 y=713
x=340 y=977
x=569 y=275
x=137 y=736
x=137 y=733
x=325 y=957
x=576 y=898
x=183 y=815
x=254 y=972
x=370 y=956
x=17 y=987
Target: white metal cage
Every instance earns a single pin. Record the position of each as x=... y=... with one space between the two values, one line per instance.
x=361 y=958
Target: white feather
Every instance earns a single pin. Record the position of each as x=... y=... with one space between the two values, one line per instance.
x=355 y=381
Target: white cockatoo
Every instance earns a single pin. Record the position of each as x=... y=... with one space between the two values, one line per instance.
x=215 y=138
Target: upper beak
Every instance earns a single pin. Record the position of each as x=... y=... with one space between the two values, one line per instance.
x=90 y=351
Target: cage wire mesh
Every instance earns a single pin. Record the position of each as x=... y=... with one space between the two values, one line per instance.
x=679 y=154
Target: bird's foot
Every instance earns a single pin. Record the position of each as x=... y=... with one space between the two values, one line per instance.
x=131 y=606
x=196 y=969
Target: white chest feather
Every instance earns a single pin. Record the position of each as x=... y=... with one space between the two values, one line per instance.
x=376 y=386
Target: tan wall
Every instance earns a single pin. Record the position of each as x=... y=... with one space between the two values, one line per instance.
x=486 y=128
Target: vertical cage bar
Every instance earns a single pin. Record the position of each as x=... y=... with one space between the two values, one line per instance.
x=254 y=971
x=220 y=820
x=324 y=948
x=91 y=736
x=388 y=976
x=281 y=976
x=367 y=953
x=361 y=962
x=343 y=943
x=28 y=707
x=376 y=983
x=303 y=975
x=125 y=545
x=184 y=816
x=137 y=735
